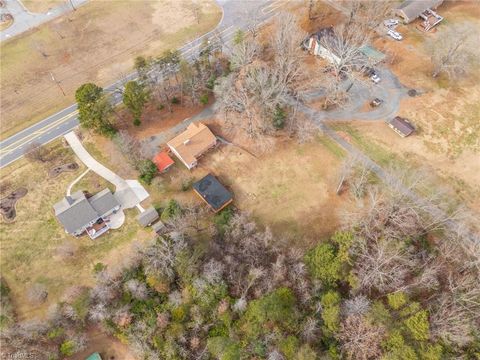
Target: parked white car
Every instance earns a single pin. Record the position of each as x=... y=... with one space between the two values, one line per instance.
x=390 y=23
x=375 y=78
x=394 y=34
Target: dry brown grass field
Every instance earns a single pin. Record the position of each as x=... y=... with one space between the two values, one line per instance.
x=41 y=6
x=29 y=246
x=97 y=43
x=292 y=190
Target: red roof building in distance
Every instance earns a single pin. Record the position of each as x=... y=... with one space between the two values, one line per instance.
x=163 y=161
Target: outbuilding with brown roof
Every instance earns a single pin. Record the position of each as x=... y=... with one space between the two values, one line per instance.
x=401 y=126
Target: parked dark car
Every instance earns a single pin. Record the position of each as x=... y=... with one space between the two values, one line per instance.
x=376 y=102
x=369 y=71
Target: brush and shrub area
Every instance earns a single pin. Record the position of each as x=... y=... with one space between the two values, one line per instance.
x=220 y=287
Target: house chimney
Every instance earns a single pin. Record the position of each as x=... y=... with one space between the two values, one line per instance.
x=186 y=142
x=69 y=200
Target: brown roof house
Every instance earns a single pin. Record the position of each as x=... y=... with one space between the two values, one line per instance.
x=411 y=9
x=401 y=126
x=196 y=140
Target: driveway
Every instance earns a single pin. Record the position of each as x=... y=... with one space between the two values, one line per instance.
x=156 y=141
x=392 y=91
x=129 y=193
x=24 y=20
x=389 y=89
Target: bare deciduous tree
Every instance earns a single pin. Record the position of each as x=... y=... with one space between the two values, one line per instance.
x=356 y=172
x=343 y=44
x=213 y=271
x=288 y=57
x=302 y=128
x=36 y=152
x=455 y=50
x=360 y=339
x=137 y=288
x=310 y=329
x=359 y=305
x=191 y=220
x=37 y=293
x=382 y=265
x=258 y=87
x=129 y=146
x=396 y=211
x=367 y=15
x=456 y=312
x=159 y=256
x=244 y=52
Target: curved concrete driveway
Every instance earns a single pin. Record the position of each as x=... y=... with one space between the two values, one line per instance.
x=124 y=193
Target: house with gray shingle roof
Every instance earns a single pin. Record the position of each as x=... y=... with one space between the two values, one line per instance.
x=148 y=217
x=79 y=213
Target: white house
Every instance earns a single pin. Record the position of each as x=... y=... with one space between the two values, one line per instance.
x=314 y=45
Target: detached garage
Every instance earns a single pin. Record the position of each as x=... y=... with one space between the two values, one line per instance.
x=213 y=192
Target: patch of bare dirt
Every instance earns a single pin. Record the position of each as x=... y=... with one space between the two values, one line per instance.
x=57 y=170
x=155 y=120
x=7 y=204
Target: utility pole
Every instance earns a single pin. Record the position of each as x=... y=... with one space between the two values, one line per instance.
x=71 y=3
x=58 y=83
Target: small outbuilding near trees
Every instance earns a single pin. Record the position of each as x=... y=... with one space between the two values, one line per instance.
x=148 y=217
x=213 y=192
x=401 y=126
x=163 y=161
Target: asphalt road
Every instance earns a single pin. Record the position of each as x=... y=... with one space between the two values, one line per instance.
x=236 y=14
x=24 y=20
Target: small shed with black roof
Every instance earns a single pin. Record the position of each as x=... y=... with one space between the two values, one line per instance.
x=213 y=192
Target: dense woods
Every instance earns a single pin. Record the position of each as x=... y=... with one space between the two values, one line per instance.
x=223 y=288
